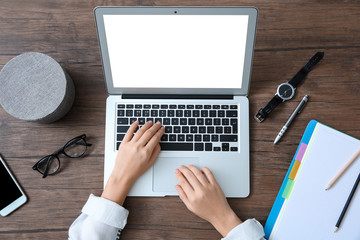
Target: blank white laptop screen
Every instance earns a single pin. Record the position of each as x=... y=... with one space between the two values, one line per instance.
x=176 y=51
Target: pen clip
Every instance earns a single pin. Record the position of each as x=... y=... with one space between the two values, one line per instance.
x=303 y=104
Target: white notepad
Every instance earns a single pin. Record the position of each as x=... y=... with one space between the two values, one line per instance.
x=311 y=212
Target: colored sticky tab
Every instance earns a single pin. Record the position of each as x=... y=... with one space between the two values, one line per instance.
x=294 y=170
x=288 y=188
x=301 y=152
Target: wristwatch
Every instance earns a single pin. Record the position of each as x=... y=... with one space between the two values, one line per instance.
x=286 y=91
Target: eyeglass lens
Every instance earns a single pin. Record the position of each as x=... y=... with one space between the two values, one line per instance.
x=75 y=148
x=52 y=162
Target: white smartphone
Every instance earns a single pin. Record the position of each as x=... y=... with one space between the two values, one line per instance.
x=12 y=196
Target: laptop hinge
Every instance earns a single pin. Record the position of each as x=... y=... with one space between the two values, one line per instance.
x=175 y=96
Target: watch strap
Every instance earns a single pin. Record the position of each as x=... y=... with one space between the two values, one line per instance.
x=296 y=80
x=263 y=112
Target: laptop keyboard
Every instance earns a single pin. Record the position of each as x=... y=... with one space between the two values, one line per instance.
x=187 y=127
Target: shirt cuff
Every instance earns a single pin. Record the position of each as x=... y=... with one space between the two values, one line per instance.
x=251 y=229
x=106 y=211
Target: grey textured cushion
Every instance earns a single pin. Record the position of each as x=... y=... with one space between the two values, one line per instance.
x=34 y=87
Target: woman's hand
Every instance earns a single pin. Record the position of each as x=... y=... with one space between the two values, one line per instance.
x=203 y=196
x=136 y=155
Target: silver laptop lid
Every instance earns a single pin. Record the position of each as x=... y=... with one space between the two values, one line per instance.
x=177 y=50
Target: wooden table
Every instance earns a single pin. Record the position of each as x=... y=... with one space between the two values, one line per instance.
x=288 y=34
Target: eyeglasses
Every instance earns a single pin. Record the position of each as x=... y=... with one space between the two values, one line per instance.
x=50 y=164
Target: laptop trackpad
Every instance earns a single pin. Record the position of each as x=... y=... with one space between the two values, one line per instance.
x=164 y=172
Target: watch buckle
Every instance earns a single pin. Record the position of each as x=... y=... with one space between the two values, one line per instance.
x=259 y=118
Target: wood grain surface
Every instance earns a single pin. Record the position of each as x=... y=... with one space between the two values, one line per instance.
x=288 y=34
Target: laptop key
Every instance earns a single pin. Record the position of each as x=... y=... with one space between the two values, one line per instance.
x=227 y=129
x=147 y=106
x=212 y=113
x=208 y=121
x=164 y=138
x=183 y=121
x=177 y=146
x=231 y=113
x=129 y=113
x=120 y=113
x=181 y=106
x=162 y=113
x=202 y=129
x=225 y=121
x=189 y=137
x=181 y=137
x=210 y=129
x=120 y=137
x=207 y=107
x=175 y=121
x=204 y=113
x=129 y=105
x=164 y=106
x=193 y=129
x=172 y=138
x=157 y=120
x=141 y=121
x=208 y=147
x=177 y=129
x=228 y=138
x=155 y=106
x=225 y=147
x=150 y=119
x=224 y=106
x=123 y=121
x=197 y=138
x=122 y=129
x=196 y=113
x=146 y=113
x=179 y=113
x=166 y=121
x=170 y=113
x=172 y=106
x=233 y=149
x=154 y=113
x=219 y=129
x=216 y=121
x=118 y=145
x=217 y=149
x=221 y=113
x=185 y=130
x=216 y=106
x=199 y=147
x=187 y=113
x=189 y=106
x=168 y=129
x=137 y=113
x=138 y=106
x=234 y=129
x=121 y=106
x=214 y=138
x=191 y=121
x=132 y=120
x=198 y=106
x=206 y=138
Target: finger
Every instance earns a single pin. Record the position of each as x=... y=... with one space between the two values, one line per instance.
x=145 y=138
x=182 y=195
x=154 y=154
x=199 y=175
x=190 y=177
x=156 y=138
x=209 y=175
x=142 y=130
x=130 y=131
x=185 y=185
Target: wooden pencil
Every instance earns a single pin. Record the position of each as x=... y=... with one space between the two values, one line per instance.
x=343 y=169
x=347 y=203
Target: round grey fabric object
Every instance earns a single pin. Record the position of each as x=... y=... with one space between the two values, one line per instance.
x=34 y=87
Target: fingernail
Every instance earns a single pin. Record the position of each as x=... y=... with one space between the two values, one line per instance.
x=158 y=123
x=177 y=171
x=149 y=121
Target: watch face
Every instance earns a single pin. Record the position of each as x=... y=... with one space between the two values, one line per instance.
x=286 y=91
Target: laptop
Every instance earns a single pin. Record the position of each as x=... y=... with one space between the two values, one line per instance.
x=189 y=68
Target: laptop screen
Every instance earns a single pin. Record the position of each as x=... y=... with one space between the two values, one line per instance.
x=176 y=51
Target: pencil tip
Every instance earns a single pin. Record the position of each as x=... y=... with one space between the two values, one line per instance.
x=335 y=229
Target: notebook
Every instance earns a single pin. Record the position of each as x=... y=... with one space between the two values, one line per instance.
x=303 y=208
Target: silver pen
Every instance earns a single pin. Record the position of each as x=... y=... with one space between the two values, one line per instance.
x=297 y=110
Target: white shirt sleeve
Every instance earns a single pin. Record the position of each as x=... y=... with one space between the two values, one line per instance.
x=100 y=219
x=248 y=230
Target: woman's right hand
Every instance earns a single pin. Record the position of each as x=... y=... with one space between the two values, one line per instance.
x=204 y=197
